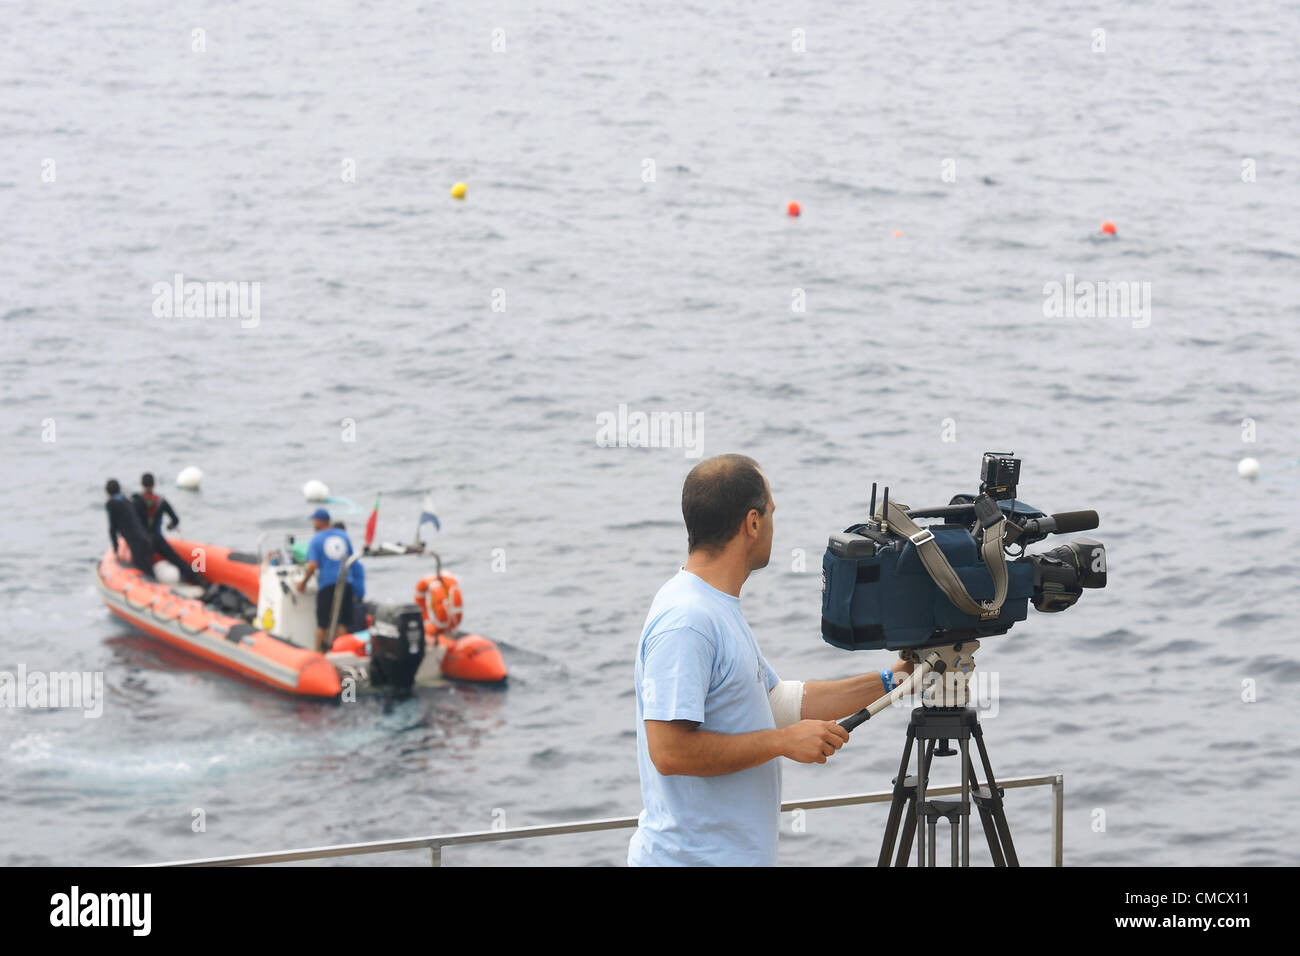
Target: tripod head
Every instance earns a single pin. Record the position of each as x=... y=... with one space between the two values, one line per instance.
x=952 y=666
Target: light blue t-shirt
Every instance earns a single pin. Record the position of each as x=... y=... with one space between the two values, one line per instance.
x=329 y=549
x=698 y=660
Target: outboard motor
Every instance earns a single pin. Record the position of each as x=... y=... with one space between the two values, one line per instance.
x=396 y=648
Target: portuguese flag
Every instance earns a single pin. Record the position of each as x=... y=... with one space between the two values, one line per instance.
x=370 y=525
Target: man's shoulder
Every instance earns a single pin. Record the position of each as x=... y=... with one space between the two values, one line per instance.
x=680 y=607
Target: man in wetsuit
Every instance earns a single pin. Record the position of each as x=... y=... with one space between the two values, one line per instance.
x=326 y=552
x=124 y=521
x=151 y=508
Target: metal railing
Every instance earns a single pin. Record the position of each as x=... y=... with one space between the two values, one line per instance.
x=435 y=843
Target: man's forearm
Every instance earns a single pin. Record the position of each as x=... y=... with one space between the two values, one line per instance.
x=703 y=753
x=833 y=699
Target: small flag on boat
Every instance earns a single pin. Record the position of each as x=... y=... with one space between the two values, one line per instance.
x=370 y=525
x=427 y=514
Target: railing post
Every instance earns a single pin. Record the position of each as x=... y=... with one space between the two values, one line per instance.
x=435 y=854
x=1058 y=820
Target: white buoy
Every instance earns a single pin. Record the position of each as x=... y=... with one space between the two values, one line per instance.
x=316 y=491
x=1248 y=468
x=190 y=478
x=166 y=573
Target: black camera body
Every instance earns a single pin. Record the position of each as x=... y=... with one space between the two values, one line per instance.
x=880 y=592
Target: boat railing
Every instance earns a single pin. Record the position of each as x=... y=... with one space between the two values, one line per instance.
x=434 y=844
x=287 y=543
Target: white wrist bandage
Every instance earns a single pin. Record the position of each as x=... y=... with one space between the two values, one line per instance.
x=786 y=699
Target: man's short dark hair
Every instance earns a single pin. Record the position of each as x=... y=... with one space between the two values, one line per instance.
x=113 y=488
x=146 y=480
x=717 y=495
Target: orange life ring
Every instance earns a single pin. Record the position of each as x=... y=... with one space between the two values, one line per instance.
x=440 y=602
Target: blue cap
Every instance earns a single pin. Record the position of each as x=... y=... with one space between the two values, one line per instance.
x=320 y=514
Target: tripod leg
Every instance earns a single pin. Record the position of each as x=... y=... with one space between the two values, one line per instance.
x=908 y=831
x=999 y=814
x=897 y=805
x=989 y=824
x=910 y=817
x=924 y=755
x=965 y=797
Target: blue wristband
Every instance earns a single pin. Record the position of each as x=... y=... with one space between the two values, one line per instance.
x=887 y=678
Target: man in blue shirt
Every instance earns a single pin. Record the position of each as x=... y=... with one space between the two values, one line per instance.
x=356 y=573
x=326 y=552
x=355 y=615
x=712 y=715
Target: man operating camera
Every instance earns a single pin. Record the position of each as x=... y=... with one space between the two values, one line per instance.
x=712 y=715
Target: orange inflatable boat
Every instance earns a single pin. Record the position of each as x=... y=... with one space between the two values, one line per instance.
x=252 y=620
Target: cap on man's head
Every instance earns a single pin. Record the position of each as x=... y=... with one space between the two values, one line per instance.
x=320 y=514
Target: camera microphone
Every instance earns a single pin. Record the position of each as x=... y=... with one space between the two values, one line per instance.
x=1066 y=522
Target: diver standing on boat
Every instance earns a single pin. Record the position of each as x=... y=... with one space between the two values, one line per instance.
x=326 y=552
x=125 y=522
x=151 y=508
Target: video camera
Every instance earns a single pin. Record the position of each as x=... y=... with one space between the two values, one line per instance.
x=890 y=584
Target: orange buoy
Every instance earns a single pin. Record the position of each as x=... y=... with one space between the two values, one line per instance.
x=793 y=209
x=897 y=233
x=1108 y=228
x=472 y=657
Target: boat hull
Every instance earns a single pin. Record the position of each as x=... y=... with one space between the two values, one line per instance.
x=232 y=644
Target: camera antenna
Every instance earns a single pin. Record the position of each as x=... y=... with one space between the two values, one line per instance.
x=884 y=512
x=871 y=511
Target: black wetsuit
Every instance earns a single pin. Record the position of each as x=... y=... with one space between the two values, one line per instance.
x=150 y=508
x=123 y=520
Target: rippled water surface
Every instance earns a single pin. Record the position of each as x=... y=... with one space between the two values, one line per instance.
x=923 y=319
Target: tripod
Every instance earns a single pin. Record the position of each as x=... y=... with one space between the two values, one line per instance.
x=944 y=717
x=935 y=727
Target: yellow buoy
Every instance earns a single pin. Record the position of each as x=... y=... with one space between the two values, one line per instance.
x=458 y=191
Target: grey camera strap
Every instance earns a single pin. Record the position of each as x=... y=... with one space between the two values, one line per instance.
x=941 y=571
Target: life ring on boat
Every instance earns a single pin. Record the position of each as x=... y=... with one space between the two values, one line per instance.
x=440 y=603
